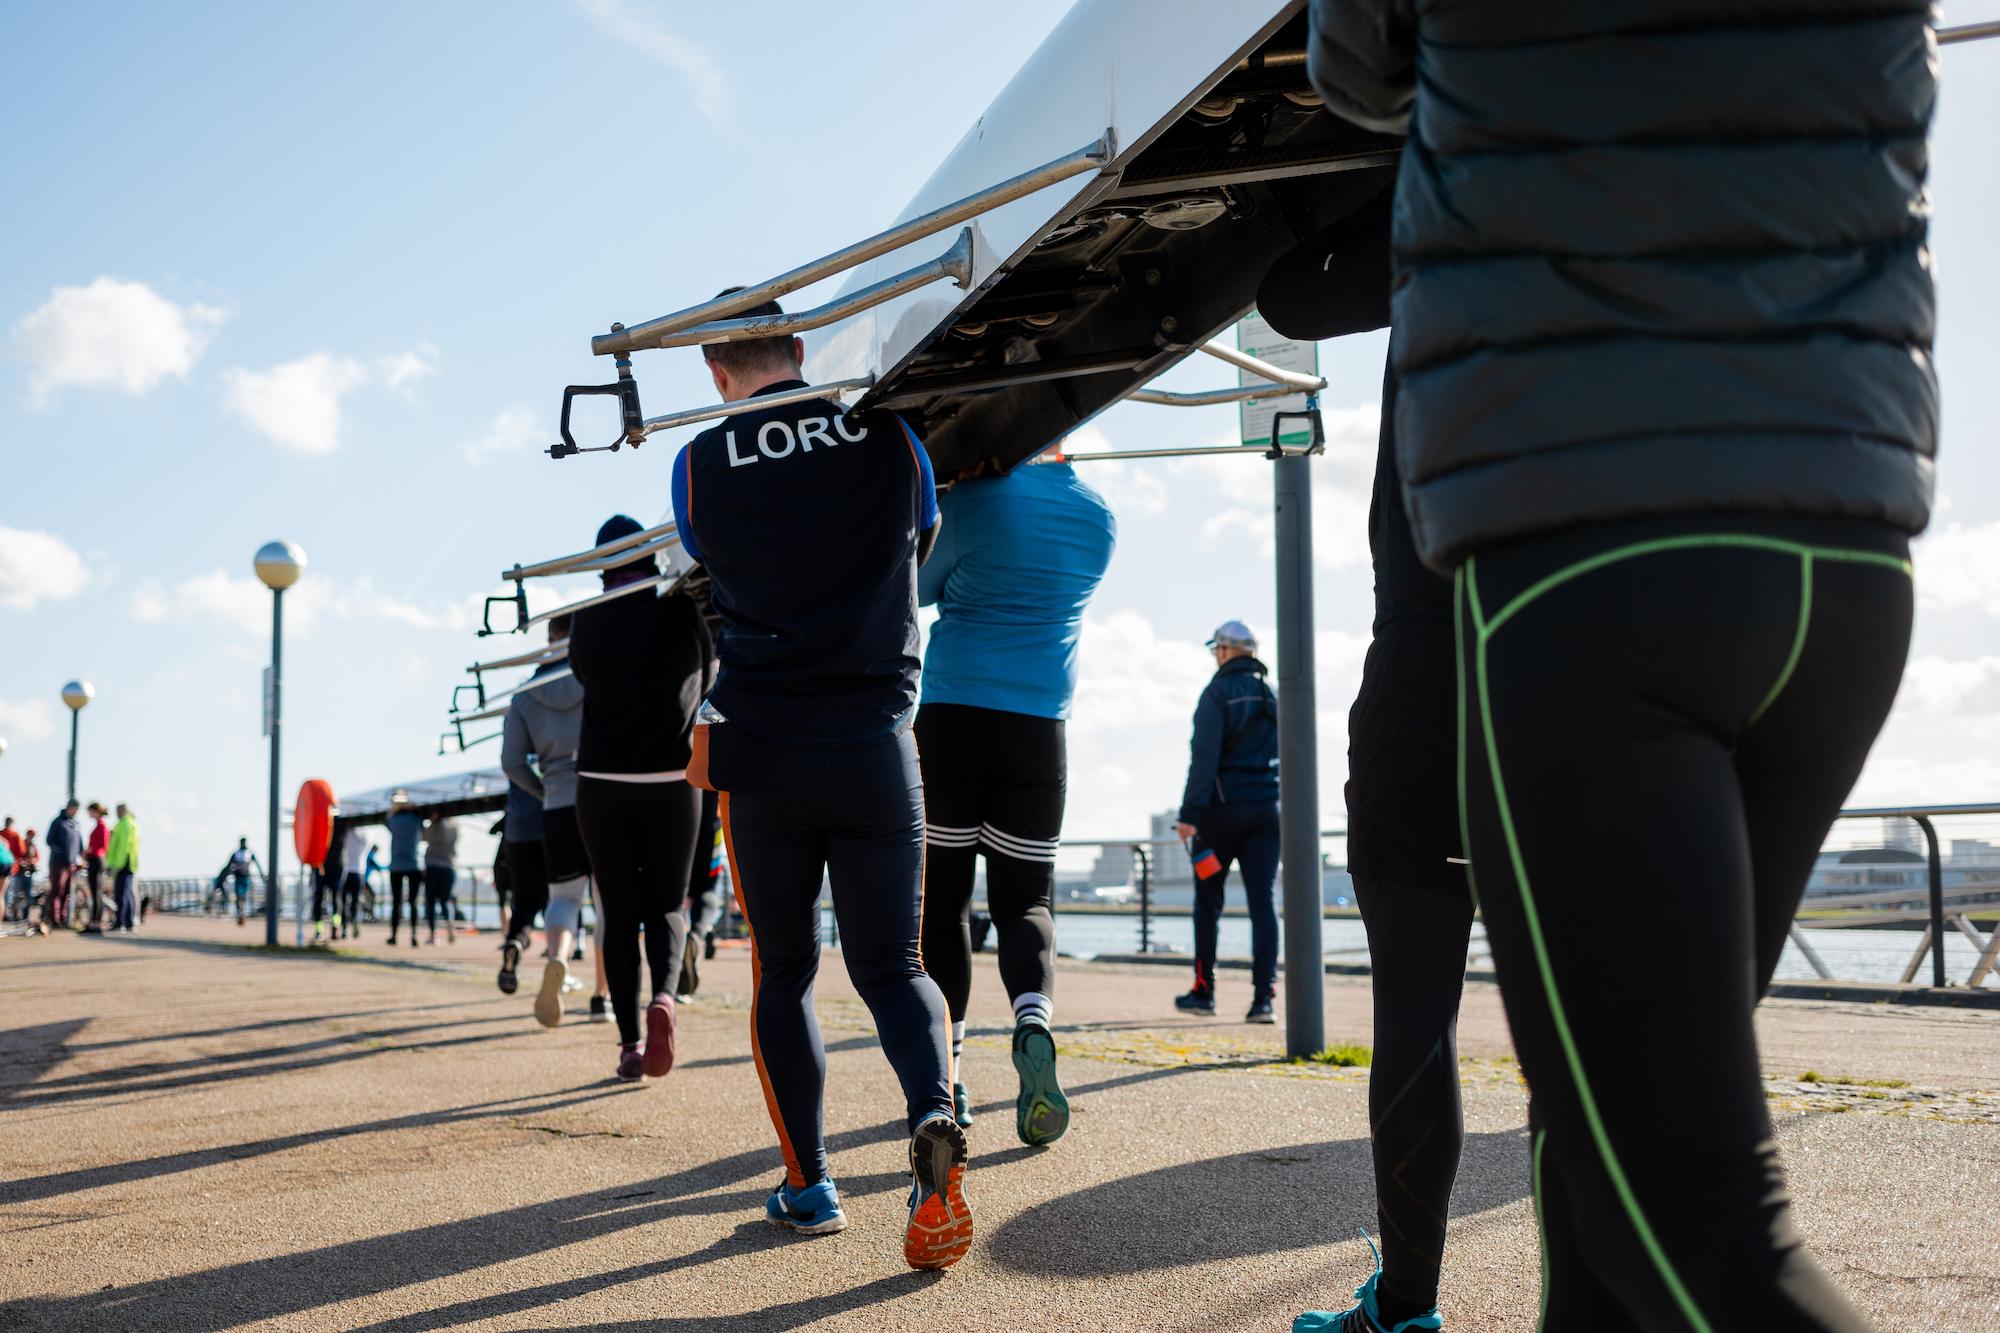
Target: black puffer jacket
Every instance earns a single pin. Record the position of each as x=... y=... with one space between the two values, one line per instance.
x=1652 y=256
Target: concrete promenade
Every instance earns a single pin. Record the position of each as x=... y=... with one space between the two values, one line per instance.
x=202 y=1136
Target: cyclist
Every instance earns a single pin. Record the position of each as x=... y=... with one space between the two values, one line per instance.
x=1016 y=562
x=810 y=522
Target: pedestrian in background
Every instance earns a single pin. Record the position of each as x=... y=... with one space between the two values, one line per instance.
x=405 y=869
x=440 y=850
x=122 y=855
x=11 y=869
x=65 y=843
x=1229 y=815
x=96 y=840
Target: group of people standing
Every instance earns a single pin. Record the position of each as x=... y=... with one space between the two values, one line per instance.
x=78 y=859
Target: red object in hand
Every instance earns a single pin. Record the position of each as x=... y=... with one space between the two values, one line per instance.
x=1207 y=865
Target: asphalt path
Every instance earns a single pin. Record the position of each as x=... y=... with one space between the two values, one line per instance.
x=204 y=1136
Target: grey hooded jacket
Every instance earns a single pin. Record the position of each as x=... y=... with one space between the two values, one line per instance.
x=544 y=721
x=1651 y=256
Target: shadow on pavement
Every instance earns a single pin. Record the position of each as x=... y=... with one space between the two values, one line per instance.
x=244 y=1064
x=1243 y=1205
x=290 y=1284
x=59 y=1183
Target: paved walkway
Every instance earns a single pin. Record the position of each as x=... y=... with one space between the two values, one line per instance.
x=201 y=1136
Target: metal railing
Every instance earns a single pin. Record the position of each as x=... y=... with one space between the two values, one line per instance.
x=1281 y=383
x=1933 y=911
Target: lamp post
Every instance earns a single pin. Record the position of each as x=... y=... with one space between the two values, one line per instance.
x=279 y=565
x=76 y=694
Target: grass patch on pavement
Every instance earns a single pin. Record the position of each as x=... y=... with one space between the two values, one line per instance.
x=1343 y=1055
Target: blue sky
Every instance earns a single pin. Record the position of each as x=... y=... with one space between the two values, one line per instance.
x=320 y=273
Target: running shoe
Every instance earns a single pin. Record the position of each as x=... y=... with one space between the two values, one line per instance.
x=812 y=1211
x=1196 y=1002
x=548 y=1002
x=939 y=1231
x=572 y=984
x=1041 y=1112
x=961 y=1106
x=600 y=1009
x=631 y=1064
x=1365 y=1315
x=690 y=972
x=660 y=1036
x=1261 y=1011
x=510 y=960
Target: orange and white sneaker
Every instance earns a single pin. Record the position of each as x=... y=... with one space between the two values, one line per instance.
x=940 y=1227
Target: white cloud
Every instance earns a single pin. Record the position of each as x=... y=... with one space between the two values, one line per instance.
x=1131 y=677
x=296 y=404
x=643 y=28
x=34 y=720
x=1129 y=488
x=402 y=371
x=111 y=334
x=515 y=431
x=1958 y=567
x=1343 y=482
x=37 y=566
x=242 y=604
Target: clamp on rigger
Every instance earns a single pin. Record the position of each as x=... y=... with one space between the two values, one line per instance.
x=631 y=420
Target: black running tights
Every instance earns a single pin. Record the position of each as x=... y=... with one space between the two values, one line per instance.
x=640 y=839
x=1665 y=717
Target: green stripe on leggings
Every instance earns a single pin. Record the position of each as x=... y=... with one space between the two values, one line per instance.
x=1468 y=583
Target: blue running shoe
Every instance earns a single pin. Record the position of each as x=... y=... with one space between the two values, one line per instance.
x=812 y=1211
x=1365 y=1315
x=961 y=1106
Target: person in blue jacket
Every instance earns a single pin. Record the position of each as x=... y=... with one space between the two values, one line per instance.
x=1016 y=562
x=1229 y=815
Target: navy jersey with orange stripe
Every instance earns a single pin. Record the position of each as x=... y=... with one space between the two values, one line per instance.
x=810 y=521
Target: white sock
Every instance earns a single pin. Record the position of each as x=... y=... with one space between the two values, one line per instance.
x=957 y=1044
x=1032 y=1007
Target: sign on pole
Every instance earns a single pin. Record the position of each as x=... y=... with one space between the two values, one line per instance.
x=1256 y=338
x=269 y=702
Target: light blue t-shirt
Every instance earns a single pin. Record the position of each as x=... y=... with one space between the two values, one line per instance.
x=1016 y=563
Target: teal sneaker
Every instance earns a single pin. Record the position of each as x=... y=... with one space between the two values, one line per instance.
x=812 y=1211
x=1365 y=1315
x=961 y=1106
x=1041 y=1112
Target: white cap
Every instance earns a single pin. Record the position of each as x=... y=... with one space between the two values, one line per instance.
x=1232 y=634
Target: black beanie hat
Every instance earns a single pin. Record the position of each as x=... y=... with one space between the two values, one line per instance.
x=618 y=525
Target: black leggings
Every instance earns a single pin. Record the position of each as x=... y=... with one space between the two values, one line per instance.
x=528 y=882
x=350 y=899
x=402 y=883
x=854 y=818
x=1247 y=837
x=326 y=894
x=438 y=882
x=701 y=901
x=1665 y=715
x=994 y=783
x=1402 y=824
x=640 y=839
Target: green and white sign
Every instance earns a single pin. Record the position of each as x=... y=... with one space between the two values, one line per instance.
x=1256 y=338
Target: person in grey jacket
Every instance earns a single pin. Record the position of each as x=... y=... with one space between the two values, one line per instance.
x=538 y=745
x=1661 y=331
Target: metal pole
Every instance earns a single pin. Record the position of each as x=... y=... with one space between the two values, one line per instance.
x=75 y=715
x=277 y=684
x=1298 y=760
x=1146 y=900
x=1937 y=900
